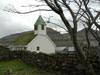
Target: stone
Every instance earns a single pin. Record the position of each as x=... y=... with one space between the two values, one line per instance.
x=9 y=71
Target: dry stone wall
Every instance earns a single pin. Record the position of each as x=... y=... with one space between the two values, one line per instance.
x=60 y=64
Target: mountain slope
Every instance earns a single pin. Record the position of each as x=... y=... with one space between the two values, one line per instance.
x=59 y=39
x=54 y=35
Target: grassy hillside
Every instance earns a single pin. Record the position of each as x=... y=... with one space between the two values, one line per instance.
x=24 y=39
x=19 y=68
x=57 y=38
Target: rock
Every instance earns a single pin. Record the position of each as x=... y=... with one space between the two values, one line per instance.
x=9 y=71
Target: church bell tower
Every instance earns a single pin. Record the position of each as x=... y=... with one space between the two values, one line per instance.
x=40 y=26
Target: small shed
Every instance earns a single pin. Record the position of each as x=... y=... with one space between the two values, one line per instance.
x=71 y=49
x=60 y=49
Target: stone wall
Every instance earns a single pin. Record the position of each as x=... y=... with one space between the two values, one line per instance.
x=60 y=64
x=4 y=53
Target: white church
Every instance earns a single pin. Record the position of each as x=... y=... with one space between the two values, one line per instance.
x=40 y=43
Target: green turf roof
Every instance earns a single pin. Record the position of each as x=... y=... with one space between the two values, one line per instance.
x=40 y=21
x=24 y=39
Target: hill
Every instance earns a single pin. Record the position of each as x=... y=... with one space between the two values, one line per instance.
x=59 y=39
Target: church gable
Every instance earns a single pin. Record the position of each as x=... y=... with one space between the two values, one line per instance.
x=41 y=44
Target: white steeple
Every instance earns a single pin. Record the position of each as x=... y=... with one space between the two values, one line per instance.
x=40 y=26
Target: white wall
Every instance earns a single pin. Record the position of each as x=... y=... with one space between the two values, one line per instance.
x=59 y=49
x=71 y=49
x=45 y=44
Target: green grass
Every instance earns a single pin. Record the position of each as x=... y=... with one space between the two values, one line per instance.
x=24 y=39
x=19 y=68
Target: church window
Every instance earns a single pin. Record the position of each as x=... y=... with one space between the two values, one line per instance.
x=38 y=48
x=42 y=27
x=36 y=27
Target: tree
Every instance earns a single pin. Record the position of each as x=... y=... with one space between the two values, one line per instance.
x=55 y=5
x=77 y=14
x=92 y=20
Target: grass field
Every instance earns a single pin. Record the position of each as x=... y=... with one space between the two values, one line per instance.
x=19 y=68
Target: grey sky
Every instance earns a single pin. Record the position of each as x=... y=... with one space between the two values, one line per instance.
x=11 y=23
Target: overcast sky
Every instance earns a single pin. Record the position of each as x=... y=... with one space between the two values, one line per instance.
x=11 y=23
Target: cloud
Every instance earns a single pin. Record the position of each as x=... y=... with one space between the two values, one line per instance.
x=11 y=23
